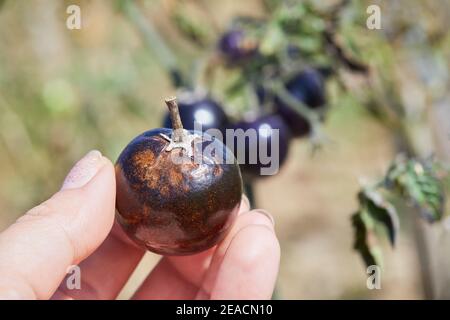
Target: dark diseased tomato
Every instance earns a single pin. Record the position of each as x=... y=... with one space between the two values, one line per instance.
x=257 y=146
x=307 y=87
x=236 y=45
x=173 y=197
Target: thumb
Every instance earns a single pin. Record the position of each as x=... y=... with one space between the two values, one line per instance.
x=36 y=251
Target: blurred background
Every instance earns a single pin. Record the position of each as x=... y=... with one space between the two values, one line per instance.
x=64 y=92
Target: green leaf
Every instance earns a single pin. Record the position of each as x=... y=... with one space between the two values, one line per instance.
x=413 y=180
x=418 y=182
x=273 y=40
x=290 y=17
x=310 y=43
x=381 y=211
x=374 y=213
x=369 y=251
x=236 y=87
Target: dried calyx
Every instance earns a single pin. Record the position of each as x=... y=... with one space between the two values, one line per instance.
x=181 y=138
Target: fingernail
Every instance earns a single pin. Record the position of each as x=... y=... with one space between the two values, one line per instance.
x=84 y=170
x=267 y=214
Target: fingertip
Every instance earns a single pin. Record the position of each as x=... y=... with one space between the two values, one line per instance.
x=94 y=217
x=105 y=179
x=260 y=229
x=265 y=243
x=109 y=162
x=255 y=217
x=244 y=205
x=266 y=214
x=101 y=190
x=250 y=267
x=84 y=170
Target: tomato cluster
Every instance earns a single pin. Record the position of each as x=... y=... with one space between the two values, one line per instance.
x=305 y=86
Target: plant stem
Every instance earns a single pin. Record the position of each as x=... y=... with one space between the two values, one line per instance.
x=398 y=122
x=154 y=41
x=317 y=136
x=174 y=112
x=281 y=92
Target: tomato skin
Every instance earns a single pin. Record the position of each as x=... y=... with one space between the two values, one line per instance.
x=264 y=138
x=235 y=46
x=175 y=208
x=307 y=87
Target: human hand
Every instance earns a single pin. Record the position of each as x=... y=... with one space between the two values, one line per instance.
x=76 y=227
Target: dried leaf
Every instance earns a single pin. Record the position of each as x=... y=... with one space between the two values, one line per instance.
x=369 y=253
x=381 y=211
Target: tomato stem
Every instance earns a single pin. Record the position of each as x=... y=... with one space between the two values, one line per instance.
x=177 y=125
